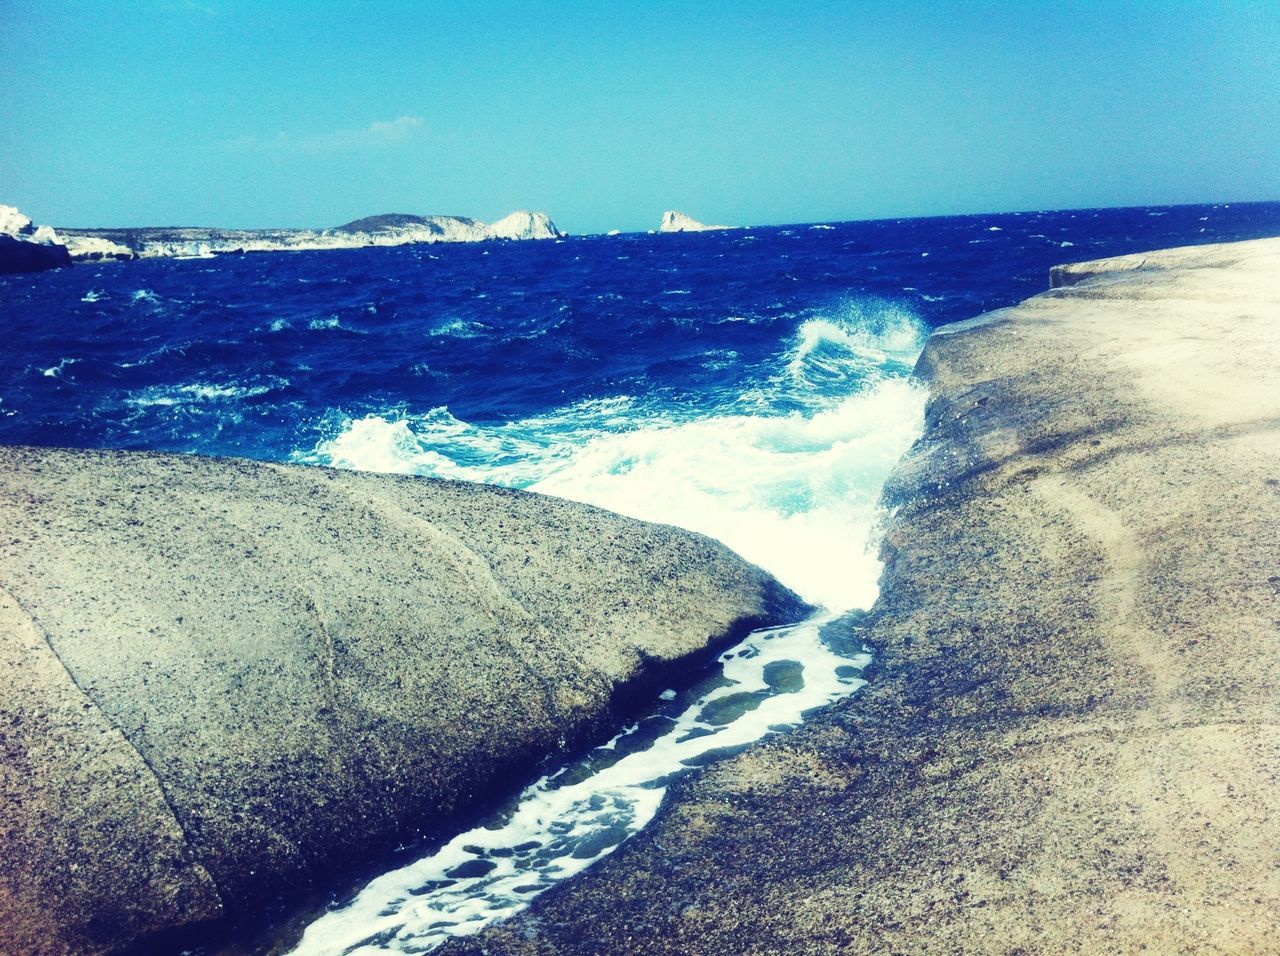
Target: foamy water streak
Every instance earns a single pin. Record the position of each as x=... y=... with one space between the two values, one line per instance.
x=795 y=491
x=565 y=822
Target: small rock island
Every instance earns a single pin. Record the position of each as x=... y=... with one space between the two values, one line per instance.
x=673 y=221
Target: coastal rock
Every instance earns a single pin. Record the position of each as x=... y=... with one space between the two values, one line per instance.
x=93 y=248
x=525 y=225
x=673 y=221
x=226 y=680
x=390 y=229
x=1071 y=735
x=397 y=229
x=24 y=247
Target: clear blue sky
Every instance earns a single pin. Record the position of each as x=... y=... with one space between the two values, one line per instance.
x=226 y=113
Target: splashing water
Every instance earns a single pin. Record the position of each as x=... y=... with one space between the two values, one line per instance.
x=795 y=492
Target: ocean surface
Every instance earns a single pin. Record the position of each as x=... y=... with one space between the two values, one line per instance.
x=751 y=384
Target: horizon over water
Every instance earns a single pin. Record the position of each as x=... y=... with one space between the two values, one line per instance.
x=753 y=385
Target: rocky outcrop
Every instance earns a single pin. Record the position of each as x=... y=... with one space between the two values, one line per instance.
x=226 y=680
x=391 y=229
x=525 y=225
x=1071 y=737
x=673 y=221
x=95 y=248
x=396 y=229
x=24 y=247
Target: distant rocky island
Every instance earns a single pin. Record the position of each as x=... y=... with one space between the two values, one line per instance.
x=25 y=248
x=673 y=221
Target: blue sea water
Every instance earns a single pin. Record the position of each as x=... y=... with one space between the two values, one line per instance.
x=752 y=384
x=605 y=368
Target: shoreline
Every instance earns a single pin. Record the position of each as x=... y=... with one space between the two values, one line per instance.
x=1068 y=739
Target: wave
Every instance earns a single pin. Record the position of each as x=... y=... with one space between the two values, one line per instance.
x=797 y=494
x=172 y=395
x=867 y=339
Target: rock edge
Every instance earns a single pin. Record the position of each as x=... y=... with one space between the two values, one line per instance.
x=224 y=677
x=1070 y=739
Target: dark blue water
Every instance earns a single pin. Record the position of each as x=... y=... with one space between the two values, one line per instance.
x=267 y=355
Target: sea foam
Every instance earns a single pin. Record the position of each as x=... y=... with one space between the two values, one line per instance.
x=796 y=492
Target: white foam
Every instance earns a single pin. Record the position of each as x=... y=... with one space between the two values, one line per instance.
x=559 y=827
x=55 y=371
x=794 y=493
x=170 y=395
x=797 y=493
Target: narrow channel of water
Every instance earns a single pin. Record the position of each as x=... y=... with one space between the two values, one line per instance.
x=566 y=821
x=798 y=493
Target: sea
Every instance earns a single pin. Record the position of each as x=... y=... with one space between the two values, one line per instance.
x=752 y=384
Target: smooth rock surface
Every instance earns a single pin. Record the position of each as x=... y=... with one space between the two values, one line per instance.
x=1071 y=738
x=224 y=679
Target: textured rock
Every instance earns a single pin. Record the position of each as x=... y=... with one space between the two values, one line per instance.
x=525 y=225
x=1071 y=738
x=673 y=221
x=391 y=229
x=26 y=248
x=225 y=679
x=93 y=248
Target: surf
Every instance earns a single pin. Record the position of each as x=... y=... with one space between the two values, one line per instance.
x=796 y=492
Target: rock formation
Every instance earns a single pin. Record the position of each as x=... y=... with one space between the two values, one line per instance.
x=391 y=229
x=26 y=248
x=673 y=221
x=1071 y=735
x=224 y=680
x=93 y=248
x=525 y=225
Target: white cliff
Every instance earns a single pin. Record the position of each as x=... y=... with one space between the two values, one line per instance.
x=25 y=247
x=673 y=221
x=90 y=248
x=394 y=229
x=525 y=225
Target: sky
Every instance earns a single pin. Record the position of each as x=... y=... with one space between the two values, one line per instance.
x=603 y=114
